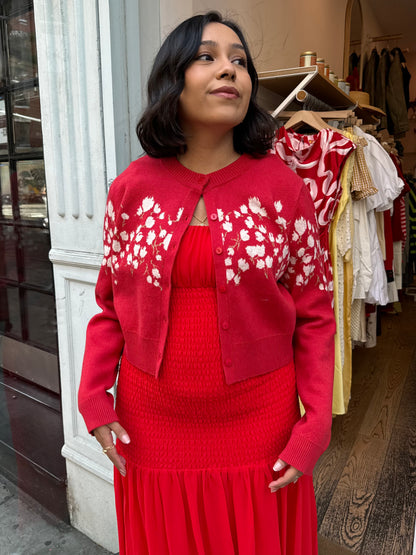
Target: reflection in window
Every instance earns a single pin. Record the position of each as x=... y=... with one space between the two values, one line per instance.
x=41 y=319
x=35 y=244
x=8 y=249
x=27 y=128
x=32 y=190
x=6 y=210
x=10 y=311
x=22 y=48
x=3 y=127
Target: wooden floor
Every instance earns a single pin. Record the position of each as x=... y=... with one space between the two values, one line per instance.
x=366 y=481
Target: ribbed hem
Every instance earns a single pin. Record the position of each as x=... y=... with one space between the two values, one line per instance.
x=98 y=411
x=302 y=454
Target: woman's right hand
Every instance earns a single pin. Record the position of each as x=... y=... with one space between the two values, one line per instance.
x=105 y=439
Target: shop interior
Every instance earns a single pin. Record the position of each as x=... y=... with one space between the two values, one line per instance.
x=365 y=482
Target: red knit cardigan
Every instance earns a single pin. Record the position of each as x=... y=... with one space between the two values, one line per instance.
x=273 y=302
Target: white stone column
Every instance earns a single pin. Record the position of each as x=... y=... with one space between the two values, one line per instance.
x=93 y=59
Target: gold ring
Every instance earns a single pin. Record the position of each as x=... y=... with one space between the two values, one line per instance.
x=108 y=448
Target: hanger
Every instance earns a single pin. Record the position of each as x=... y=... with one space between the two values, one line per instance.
x=307 y=117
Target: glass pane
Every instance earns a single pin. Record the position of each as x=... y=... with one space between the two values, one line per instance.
x=32 y=190
x=38 y=268
x=27 y=128
x=10 y=310
x=3 y=127
x=41 y=319
x=22 y=47
x=8 y=245
x=5 y=192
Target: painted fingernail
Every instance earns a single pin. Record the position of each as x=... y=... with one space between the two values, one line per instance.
x=278 y=466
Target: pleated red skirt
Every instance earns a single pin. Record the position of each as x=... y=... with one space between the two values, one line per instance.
x=201 y=452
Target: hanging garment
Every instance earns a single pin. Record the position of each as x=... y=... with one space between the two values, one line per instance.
x=383 y=172
x=319 y=160
x=381 y=85
x=342 y=373
x=369 y=76
x=405 y=73
x=412 y=225
x=399 y=214
x=356 y=183
x=395 y=97
x=362 y=185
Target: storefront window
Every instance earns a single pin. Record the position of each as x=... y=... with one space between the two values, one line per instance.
x=29 y=372
x=22 y=46
x=5 y=191
x=3 y=128
x=32 y=191
x=27 y=130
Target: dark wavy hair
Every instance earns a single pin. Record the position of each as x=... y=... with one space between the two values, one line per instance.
x=159 y=129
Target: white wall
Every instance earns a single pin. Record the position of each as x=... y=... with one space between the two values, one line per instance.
x=277 y=30
x=93 y=59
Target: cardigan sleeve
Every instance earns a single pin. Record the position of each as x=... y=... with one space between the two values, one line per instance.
x=313 y=340
x=104 y=340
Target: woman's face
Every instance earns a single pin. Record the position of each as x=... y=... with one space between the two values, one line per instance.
x=217 y=84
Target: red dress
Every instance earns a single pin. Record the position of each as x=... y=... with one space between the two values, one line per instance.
x=201 y=452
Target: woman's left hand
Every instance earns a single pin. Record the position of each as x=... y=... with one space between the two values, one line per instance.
x=291 y=475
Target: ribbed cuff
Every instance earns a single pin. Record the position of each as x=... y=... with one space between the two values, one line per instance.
x=98 y=411
x=302 y=454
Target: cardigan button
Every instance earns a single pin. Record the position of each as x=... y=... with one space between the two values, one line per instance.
x=214 y=217
x=222 y=288
x=225 y=325
x=218 y=250
x=228 y=362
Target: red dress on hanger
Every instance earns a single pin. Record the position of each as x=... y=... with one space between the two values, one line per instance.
x=202 y=451
x=318 y=159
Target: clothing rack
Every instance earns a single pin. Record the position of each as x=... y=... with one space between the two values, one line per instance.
x=385 y=38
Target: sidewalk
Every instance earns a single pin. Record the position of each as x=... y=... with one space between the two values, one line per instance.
x=27 y=528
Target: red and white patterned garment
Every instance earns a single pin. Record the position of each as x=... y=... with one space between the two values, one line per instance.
x=318 y=159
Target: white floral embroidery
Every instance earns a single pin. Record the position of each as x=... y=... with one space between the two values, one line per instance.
x=148 y=204
x=110 y=211
x=269 y=252
x=243 y=264
x=259 y=252
x=141 y=245
x=166 y=241
x=151 y=236
x=244 y=235
x=230 y=274
x=255 y=206
x=300 y=226
x=150 y=222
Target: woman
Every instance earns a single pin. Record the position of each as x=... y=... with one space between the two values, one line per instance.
x=215 y=316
